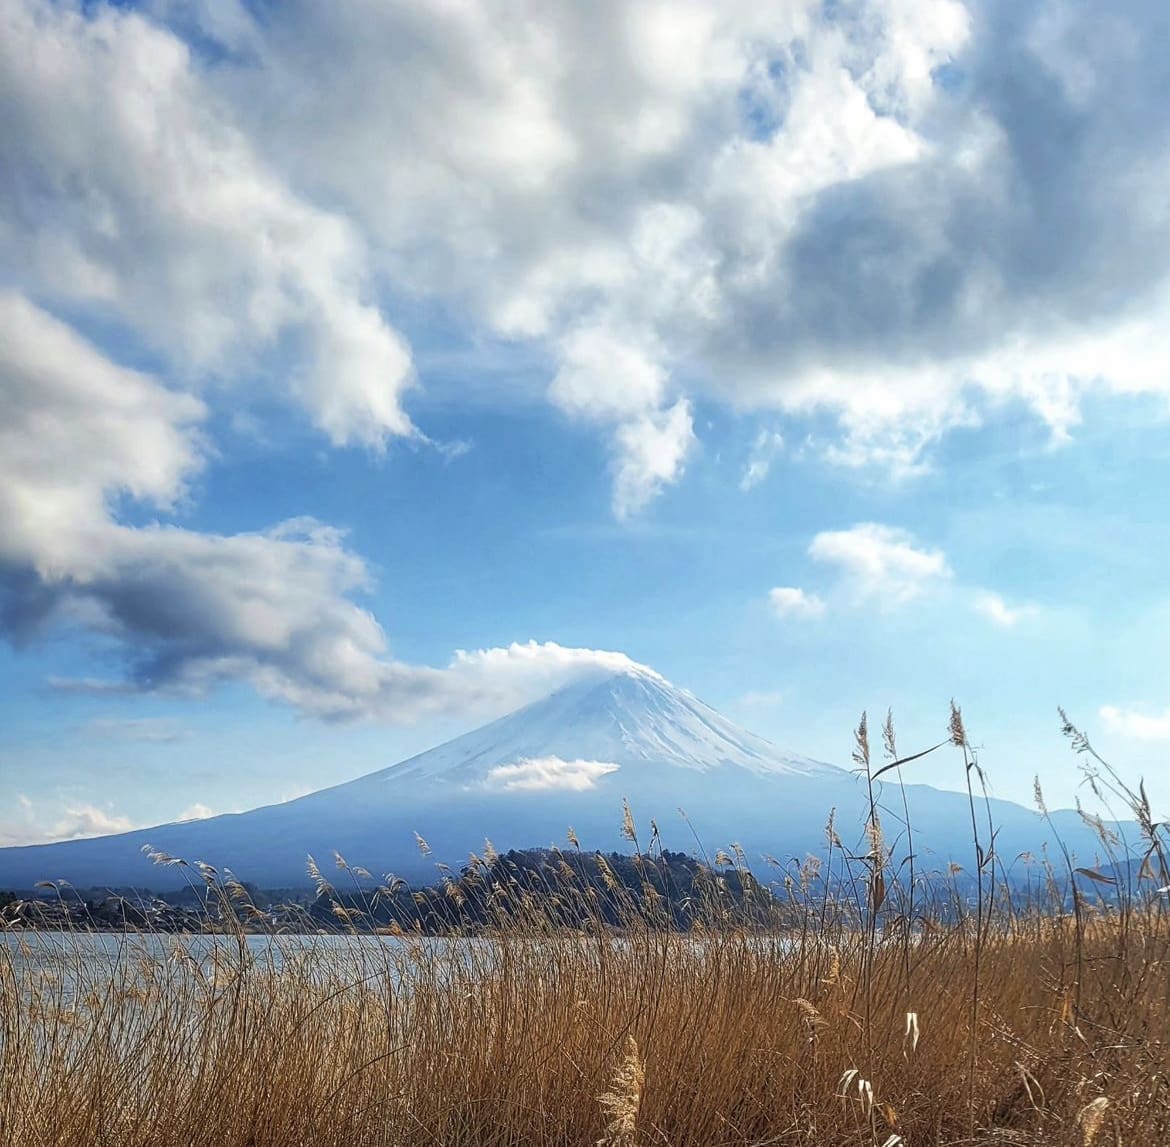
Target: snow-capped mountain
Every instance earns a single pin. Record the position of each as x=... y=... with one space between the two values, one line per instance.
x=524 y=780
x=634 y=720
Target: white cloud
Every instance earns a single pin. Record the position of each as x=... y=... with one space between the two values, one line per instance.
x=275 y=608
x=793 y=205
x=196 y=811
x=1136 y=725
x=486 y=165
x=604 y=376
x=65 y=819
x=547 y=774
x=615 y=381
x=880 y=562
x=996 y=610
x=766 y=207
x=541 y=661
x=29 y=823
x=85 y=820
x=767 y=445
x=134 y=193
x=887 y=565
x=773 y=206
x=651 y=452
x=18 y=822
x=121 y=432
x=790 y=601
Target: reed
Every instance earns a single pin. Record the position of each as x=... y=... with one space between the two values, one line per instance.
x=836 y=1002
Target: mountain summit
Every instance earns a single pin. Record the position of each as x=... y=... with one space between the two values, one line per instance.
x=523 y=781
x=635 y=722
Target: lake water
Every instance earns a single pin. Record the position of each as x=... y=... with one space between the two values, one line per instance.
x=67 y=965
x=105 y=949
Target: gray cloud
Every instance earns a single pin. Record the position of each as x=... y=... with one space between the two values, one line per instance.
x=903 y=213
x=900 y=212
x=189 y=610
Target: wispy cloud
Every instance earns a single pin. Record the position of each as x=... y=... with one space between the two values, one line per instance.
x=996 y=610
x=295 y=792
x=767 y=444
x=30 y=822
x=150 y=730
x=1135 y=724
x=196 y=811
x=791 y=601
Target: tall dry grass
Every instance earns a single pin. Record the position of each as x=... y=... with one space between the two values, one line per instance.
x=853 y=1015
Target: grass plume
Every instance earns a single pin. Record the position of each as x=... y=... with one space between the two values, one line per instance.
x=576 y=1007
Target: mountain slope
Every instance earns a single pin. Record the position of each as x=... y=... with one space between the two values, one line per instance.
x=522 y=781
x=635 y=719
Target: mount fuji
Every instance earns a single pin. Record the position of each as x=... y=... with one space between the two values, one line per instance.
x=523 y=781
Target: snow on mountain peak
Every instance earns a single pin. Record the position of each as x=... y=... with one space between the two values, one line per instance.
x=570 y=759
x=634 y=720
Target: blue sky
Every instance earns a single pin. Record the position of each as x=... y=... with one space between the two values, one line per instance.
x=368 y=373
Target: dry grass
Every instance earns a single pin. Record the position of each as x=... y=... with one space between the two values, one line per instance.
x=1003 y=1023
x=647 y=1038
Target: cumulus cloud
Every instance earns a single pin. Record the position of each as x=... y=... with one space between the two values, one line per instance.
x=895 y=212
x=904 y=214
x=131 y=191
x=547 y=774
x=652 y=450
x=276 y=608
x=121 y=431
x=790 y=601
x=17 y=823
x=881 y=563
x=889 y=566
x=617 y=382
x=1135 y=724
x=84 y=820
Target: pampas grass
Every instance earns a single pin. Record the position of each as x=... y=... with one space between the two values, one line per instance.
x=820 y=1016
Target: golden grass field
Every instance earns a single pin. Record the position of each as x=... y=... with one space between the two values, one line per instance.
x=882 y=1019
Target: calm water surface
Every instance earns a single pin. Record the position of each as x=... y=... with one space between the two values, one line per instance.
x=71 y=964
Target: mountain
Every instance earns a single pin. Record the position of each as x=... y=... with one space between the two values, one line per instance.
x=524 y=780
